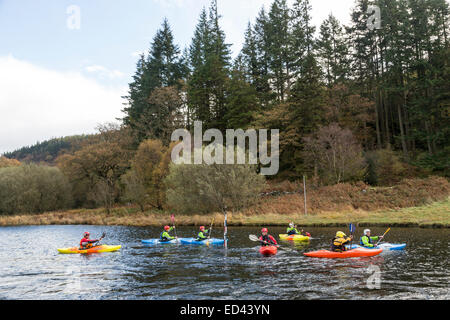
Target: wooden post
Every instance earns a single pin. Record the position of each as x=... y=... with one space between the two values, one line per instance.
x=225 y=225
x=304 y=192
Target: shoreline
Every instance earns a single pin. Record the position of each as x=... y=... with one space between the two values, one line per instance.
x=435 y=215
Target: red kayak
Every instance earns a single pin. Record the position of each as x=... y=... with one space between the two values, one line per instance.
x=359 y=252
x=268 y=250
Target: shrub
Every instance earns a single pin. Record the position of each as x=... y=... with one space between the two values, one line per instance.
x=208 y=188
x=33 y=189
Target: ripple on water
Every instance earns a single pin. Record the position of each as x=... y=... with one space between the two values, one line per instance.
x=31 y=268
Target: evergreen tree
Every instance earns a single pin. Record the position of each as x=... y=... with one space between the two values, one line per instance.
x=333 y=51
x=279 y=48
x=162 y=68
x=242 y=100
x=209 y=61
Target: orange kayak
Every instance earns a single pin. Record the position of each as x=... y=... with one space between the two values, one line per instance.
x=268 y=250
x=97 y=249
x=359 y=252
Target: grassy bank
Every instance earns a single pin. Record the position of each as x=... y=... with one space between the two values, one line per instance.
x=434 y=215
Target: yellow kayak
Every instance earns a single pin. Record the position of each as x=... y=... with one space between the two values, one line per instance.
x=294 y=237
x=97 y=249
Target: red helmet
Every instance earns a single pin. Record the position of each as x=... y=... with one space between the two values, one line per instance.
x=202 y=228
x=86 y=234
x=166 y=228
x=264 y=230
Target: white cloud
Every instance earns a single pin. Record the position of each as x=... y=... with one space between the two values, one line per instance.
x=137 y=54
x=37 y=104
x=104 y=72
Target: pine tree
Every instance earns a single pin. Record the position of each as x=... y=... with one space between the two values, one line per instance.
x=302 y=36
x=242 y=100
x=209 y=61
x=333 y=51
x=279 y=48
x=255 y=54
x=162 y=68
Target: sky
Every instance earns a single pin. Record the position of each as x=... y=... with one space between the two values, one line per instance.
x=64 y=65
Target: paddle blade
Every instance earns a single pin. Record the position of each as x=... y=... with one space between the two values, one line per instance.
x=352 y=227
x=252 y=237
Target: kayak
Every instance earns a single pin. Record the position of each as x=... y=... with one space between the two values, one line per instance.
x=384 y=246
x=158 y=241
x=97 y=249
x=268 y=250
x=294 y=237
x=359 y=252
x=207 y=242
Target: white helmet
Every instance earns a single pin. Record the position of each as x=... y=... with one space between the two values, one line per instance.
x=366 y=231
x=291 y=224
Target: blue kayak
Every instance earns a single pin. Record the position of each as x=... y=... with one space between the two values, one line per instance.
x=152 y=242
x=193 y=241
x=384 y=246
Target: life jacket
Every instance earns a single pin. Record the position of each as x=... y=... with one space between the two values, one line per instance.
x=202 y=236
x=338 y=244
x=267 y=239
x=163 y=237
x=88 y=246
x=361 y=241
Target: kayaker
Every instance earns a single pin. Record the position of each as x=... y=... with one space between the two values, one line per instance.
x=338 y=243
x=367 y=241
x=267 y=238
x=203 y=234
x=292 y=229
x=86 y=243
x=165 y=236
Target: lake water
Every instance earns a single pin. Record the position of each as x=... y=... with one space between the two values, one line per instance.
x=31 y=267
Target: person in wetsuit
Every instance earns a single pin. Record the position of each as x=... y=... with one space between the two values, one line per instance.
x=266 y=238
x=165 y=236
x=367 y=241
x=87 y=243
x=292 y=230
x=338 y=243
x=203 y=234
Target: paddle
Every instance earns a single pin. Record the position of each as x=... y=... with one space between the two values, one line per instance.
x=352 y=230
x=382 y=237
x=255 y=238
x=101 y=238
x=172 y=217
x=210 y=231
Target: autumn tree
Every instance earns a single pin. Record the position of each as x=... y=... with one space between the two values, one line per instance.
x=5 y=162
x=144 y=183
x=95 y=169
x=335 y=155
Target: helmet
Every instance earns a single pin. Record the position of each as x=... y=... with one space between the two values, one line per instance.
x=166 y=228
x=366 y=231
x=202 y=228
x=340 y=234
x=291 y=224
x=86 y=234
x=264 y=230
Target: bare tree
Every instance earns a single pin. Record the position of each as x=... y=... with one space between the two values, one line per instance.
x=335 y=154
